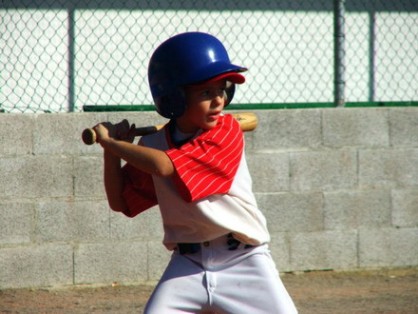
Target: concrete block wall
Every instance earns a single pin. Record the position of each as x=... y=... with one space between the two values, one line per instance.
x=339 y=188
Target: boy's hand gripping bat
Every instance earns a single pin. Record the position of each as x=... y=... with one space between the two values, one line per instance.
x=247 y=120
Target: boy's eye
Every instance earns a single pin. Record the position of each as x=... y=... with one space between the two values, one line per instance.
x=222 y=91
x=205 y=93
x=214 y=92
x=208 y=93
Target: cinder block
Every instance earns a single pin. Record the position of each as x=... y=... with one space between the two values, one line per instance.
x=292 y=211
x=145 y=227
x=405 y=208
x=124 y=262
x=63 y=220
x=17 y=222
x=355 y=127
x=404 y=126
x=36 y=266
x=388 y=168
x=323 y=170
x=59 y=133
x=158 y=259
x=11 y=175
x=36 y=176
x=249 y=141
x=388 y=247
x=288 y=129
x=16 y=134
x=353 y=209
x=269 y=172
x=280 y=251
x=324 y=250
x=88 y=177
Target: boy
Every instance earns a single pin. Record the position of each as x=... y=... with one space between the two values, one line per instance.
x=195 y=170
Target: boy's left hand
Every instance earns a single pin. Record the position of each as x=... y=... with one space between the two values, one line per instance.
x=124 y=131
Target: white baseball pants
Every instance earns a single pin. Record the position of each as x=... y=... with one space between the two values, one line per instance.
x=218 y=280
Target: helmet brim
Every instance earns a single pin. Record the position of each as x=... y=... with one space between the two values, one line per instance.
x=233 y=77
x=218 y=71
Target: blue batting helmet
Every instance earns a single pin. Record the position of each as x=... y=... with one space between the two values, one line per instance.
x=185 y=59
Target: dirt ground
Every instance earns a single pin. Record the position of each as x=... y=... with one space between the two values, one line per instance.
x=320 y=292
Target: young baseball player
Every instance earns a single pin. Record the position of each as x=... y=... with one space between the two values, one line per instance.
x=195 y=170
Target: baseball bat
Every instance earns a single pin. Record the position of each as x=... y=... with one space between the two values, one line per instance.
x=247 y=120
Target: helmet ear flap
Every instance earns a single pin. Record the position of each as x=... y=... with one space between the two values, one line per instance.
x=171 y=105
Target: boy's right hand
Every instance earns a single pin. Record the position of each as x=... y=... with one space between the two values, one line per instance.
x=120 y=131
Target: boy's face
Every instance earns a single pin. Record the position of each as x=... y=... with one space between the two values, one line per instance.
x=205 y=103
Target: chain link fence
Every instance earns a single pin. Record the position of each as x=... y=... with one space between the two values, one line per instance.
x=57 y=56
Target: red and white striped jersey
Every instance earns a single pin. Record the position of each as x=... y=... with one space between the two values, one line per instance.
x=209 y=195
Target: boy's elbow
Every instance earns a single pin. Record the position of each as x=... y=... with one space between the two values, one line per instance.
x=165 y=170
x=163 y=173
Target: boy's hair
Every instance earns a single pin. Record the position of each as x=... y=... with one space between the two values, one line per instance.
x=188 y=59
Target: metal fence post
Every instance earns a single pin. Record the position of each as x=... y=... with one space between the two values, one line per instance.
x=71 y=56
x=372 y=48
x=339 y=53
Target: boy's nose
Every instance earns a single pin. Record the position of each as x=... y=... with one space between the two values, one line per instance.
x=218 y=100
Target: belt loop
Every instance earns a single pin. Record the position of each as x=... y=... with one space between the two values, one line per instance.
x=233 y=244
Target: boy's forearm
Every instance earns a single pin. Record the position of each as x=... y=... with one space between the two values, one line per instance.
x=113 y=181
x=146 y=159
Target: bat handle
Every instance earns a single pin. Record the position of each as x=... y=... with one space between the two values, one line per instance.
x=89 y=136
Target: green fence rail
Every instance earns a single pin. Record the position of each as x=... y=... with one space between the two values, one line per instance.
x=264 y=106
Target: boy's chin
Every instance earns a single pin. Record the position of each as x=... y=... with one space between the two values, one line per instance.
x=210 y=125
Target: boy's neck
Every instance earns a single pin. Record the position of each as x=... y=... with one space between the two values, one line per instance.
x=178 y=136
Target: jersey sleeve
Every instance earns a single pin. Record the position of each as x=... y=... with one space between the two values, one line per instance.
x=207 y=164
x=139 y=192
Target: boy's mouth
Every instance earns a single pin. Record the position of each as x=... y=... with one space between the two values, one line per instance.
x=213 y=116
